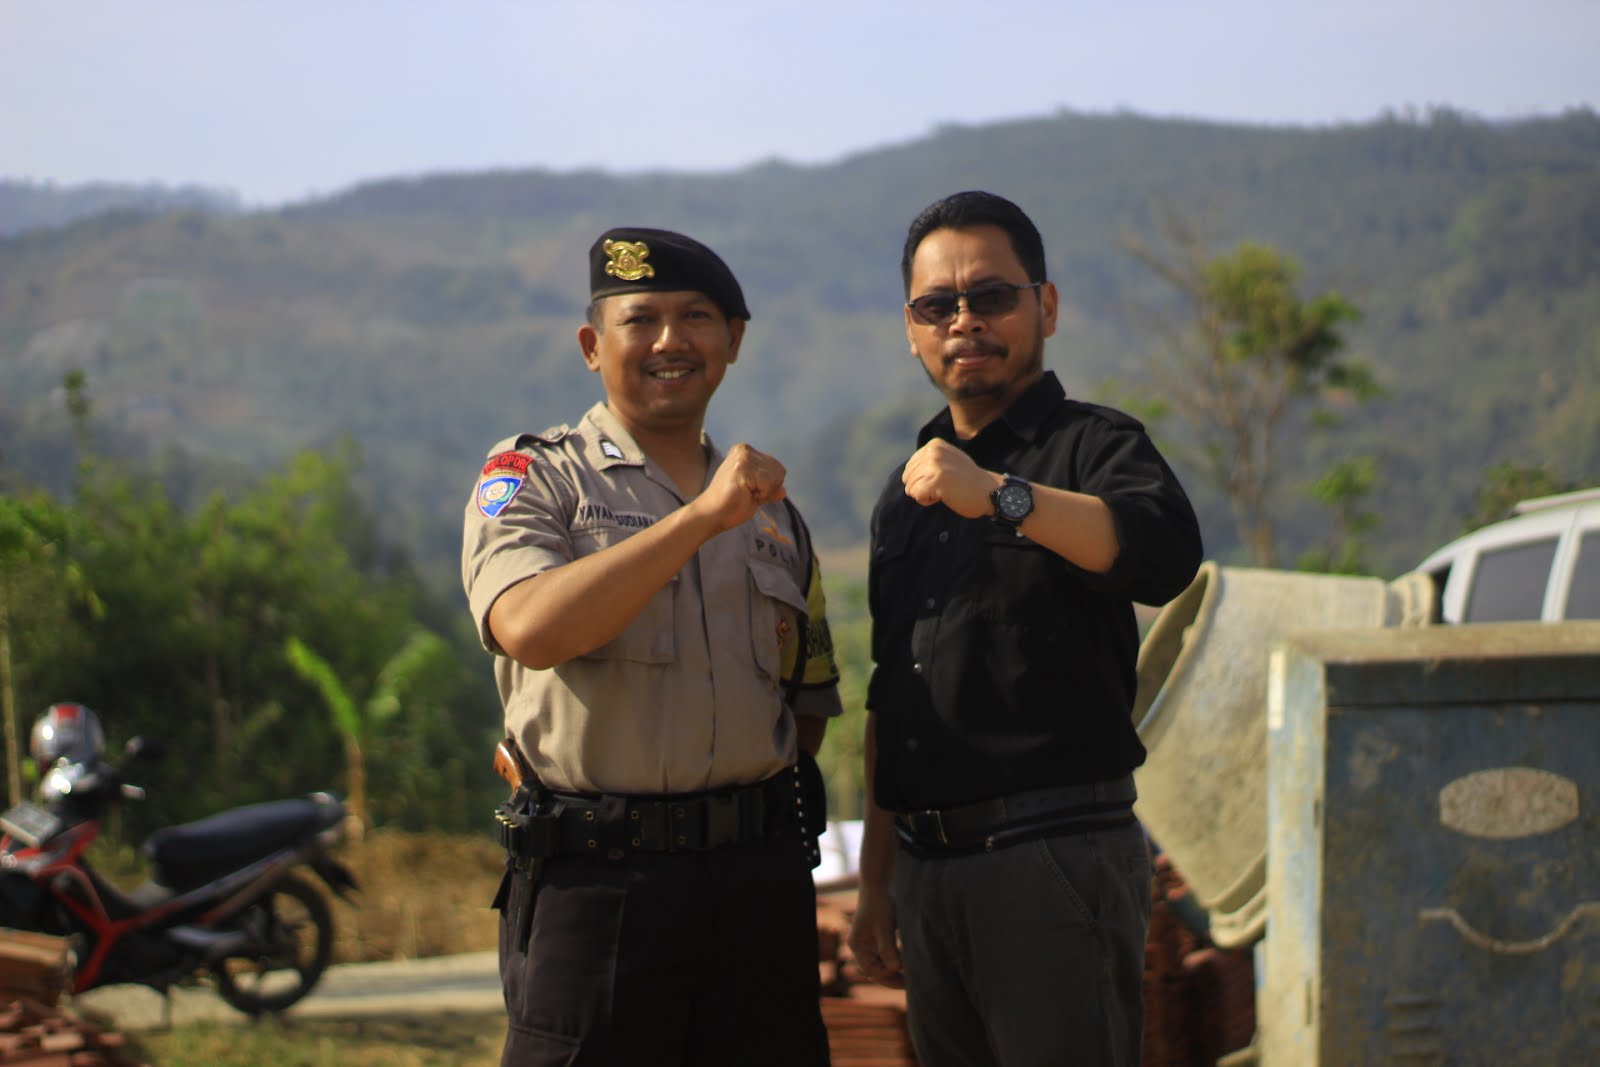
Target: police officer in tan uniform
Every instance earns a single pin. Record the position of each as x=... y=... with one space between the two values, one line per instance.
x=655 y=613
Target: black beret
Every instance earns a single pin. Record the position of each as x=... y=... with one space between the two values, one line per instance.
x=636 y=259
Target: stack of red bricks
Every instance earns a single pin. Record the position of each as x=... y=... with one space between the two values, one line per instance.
x=34 y=1030
x=1166 y=1001
x=33 y=966
x=35 y=1034
x=866 y=1022
x=1199 y=999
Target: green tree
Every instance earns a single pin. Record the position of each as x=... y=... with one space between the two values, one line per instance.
x=38 y=581
x=1247 y=354
x=1345 y=490
x=1506 y=484
x=169 y=643
x=360 y=723
x=79 y=407
x=191 y=602
x=293 y=557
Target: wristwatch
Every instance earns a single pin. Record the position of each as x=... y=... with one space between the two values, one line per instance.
x=1013 y=502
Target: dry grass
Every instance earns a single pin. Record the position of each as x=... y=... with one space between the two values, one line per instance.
x=444 y=1040
x=421 y=895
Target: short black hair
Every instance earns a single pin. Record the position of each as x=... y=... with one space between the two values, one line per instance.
x=963 y=211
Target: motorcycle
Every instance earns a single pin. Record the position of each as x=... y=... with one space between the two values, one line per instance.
x=225 y=898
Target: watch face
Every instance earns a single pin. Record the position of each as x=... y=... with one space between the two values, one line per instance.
x=1014 y=501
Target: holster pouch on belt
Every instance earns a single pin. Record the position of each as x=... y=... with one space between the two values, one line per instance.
x=527 y=836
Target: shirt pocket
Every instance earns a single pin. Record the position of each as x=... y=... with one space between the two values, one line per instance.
x=1018 y=580
x=1014 y=628
x=777 y=604
x=895 y=591
x=890 y=546
x=651 y=637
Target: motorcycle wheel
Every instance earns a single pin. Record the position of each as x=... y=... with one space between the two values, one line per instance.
x=291 y=941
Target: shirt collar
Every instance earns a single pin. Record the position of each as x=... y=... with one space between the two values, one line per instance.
x=609 y=444
x=1024 y=418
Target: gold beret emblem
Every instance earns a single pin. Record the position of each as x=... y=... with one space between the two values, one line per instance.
x=627 y=260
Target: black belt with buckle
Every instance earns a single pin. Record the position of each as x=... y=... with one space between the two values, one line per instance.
x=568 y=823
x=1033 y=813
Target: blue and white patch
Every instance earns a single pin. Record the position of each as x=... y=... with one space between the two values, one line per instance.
x=607 y=448
x=495 y=493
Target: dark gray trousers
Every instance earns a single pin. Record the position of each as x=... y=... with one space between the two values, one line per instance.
x=1028 y=956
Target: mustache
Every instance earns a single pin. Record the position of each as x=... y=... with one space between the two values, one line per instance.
x=978 y=346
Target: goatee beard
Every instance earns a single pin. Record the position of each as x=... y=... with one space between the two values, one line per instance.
x=974 y=390
x=970 y=390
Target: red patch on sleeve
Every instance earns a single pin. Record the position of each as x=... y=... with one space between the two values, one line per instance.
x=512 y=461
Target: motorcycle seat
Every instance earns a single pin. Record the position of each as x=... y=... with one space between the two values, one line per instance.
x=185 y=856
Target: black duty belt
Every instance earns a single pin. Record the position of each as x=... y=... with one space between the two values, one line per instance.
x=1035 y=812
x=566 y=823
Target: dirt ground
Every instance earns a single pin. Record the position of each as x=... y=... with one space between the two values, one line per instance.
x=421 y=895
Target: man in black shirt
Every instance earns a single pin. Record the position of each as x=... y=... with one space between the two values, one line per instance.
x=1004 y=880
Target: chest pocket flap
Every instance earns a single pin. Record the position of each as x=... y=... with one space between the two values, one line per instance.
x=776 y=605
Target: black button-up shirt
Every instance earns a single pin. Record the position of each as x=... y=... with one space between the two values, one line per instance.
x=1000 y=666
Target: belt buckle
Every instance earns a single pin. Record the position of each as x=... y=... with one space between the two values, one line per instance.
x=723 y=825
x=938 y=824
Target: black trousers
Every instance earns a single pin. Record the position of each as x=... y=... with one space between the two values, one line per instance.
x=696 y=959
x=1028 y=956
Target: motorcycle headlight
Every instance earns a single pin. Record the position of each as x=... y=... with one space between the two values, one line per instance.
x=59 y=781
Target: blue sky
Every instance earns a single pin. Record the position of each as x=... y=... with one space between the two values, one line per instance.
x=279 y=100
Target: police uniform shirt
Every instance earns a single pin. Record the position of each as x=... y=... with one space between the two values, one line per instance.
x=689 y=696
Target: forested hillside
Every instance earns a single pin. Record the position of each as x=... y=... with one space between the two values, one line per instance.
x=424 y=319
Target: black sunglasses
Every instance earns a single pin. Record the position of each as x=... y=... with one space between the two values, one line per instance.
x=984 y=301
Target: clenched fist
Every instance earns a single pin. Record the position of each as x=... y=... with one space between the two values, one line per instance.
x=940 y=473
x=746 y=480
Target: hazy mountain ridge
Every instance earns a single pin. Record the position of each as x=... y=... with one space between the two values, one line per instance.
x=429 y=317
x=27 y=205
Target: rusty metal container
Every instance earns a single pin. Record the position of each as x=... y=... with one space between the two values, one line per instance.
x=1433 y=860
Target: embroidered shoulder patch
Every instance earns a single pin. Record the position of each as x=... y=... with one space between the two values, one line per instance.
x=495 y=493
x=508 y=461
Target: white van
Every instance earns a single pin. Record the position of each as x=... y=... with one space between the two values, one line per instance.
x=1542 y=563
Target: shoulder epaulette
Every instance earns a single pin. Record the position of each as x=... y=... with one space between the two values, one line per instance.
x=553 y=436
